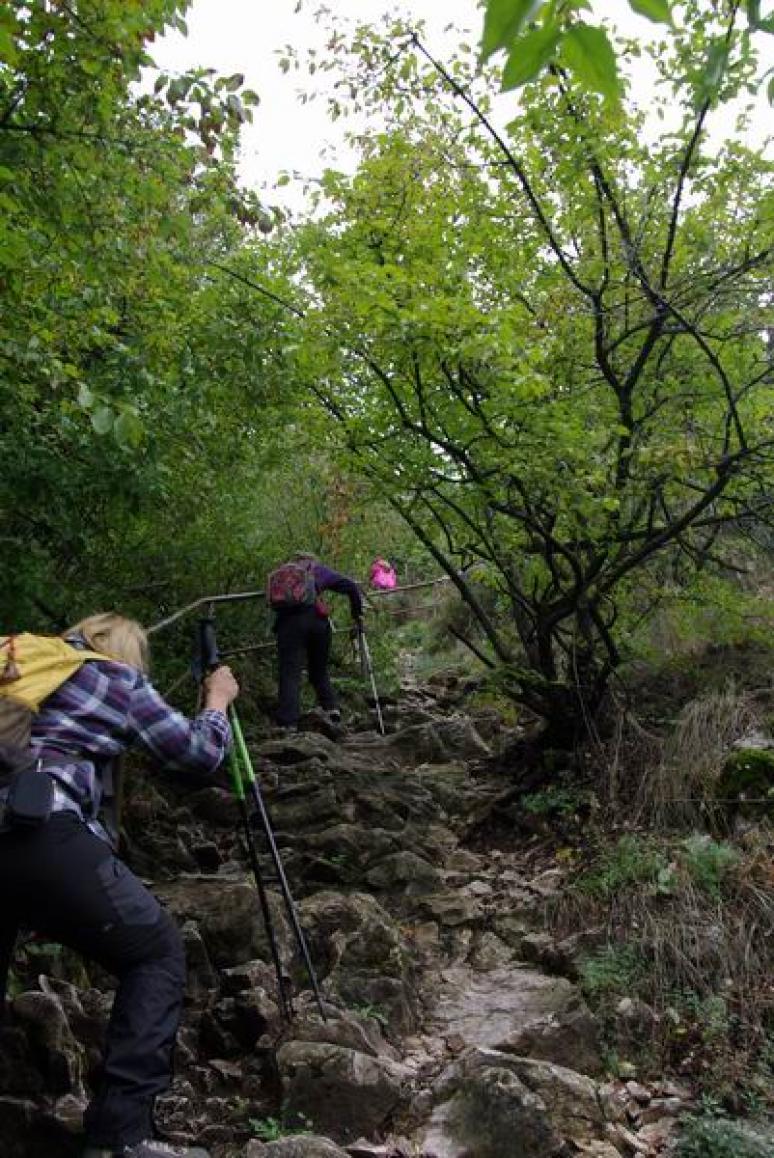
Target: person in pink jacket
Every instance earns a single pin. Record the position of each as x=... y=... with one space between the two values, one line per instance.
x=382 y=575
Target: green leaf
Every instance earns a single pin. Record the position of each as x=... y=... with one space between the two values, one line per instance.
x=503 y=21
x=770 y=91
x=717 y=58
x=128 y=429
x=591 y=57
x=8 y=50
x=85 y=397
x=753 y=12
x=102 y=420
x=529 y=55
x=657 y=10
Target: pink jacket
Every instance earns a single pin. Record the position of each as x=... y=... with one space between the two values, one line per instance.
x=383 y=575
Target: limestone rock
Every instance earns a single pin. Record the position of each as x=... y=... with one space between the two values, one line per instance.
x=520 y=1011
x=345 y=1093
x=366 y=962
x=226 y=912
x=571 y=1099
x=489 y=952
x=454 y=738
x=450 y=909
x=201 y=978
x=305 y=806
x=300 y=1146
x=60 y=1056
x=493 y=1114
x=405 y=871
x=355 y=1031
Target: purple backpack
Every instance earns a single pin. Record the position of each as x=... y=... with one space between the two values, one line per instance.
x=291 y=585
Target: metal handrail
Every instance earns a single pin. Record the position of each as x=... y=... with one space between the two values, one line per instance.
x=239 y=596
x=206 y=600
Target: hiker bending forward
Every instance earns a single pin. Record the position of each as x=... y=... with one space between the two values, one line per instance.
x=62 y=879
x=304 y=638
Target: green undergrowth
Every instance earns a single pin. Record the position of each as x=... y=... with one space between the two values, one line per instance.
x=271 y=1129
x=673 y=881
x=712 y=1135
x=683 y=924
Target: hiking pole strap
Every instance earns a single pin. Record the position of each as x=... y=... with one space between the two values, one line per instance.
x=250 y=782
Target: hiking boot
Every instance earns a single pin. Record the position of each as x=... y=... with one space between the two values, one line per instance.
x=323 y=722
x=147 y=1149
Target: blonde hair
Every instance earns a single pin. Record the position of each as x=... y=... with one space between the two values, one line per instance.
x=115 y=635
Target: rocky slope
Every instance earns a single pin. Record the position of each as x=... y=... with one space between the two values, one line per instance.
x=453 y=1024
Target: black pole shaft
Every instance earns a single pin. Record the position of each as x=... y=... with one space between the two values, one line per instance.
x=207 y=659
x=242 y=774
x=286 y=894
x=244 y=755
x=367 y=663
x=286 y=1005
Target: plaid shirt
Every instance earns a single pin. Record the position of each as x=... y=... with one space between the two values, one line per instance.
x=101 y=711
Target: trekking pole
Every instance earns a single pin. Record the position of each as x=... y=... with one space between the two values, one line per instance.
x=208 y=660
x=250 y=778
x=244 y=780
x=368 y=670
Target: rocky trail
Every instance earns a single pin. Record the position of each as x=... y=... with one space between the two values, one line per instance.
x=454 y=1024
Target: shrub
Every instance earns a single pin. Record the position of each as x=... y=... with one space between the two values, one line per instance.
x=611 y=969
x=708 y=862
x=688 y=923
x=747 y=775
x=632 y=861
x=717 y=1137
x=554 y=801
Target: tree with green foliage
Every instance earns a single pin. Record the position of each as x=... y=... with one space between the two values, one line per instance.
x=113 y=200
x=547 y=345
x=558 y=35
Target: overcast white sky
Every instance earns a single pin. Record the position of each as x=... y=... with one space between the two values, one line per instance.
x=247 y=35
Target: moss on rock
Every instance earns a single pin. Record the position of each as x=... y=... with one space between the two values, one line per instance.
x=746 y=784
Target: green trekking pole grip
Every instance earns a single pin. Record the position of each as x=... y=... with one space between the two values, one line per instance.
x=235 y=775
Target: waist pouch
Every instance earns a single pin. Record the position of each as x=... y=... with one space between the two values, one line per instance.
x=30 y=798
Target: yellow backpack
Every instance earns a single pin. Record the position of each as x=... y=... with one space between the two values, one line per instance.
x=31 y=668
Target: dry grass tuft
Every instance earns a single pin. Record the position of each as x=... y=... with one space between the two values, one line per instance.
x=670 y=780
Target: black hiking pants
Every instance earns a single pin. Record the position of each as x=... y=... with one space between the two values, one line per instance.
x=303 y=639
x=62 y=881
